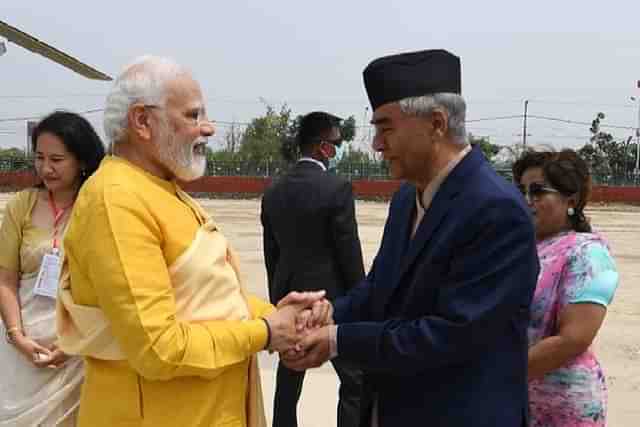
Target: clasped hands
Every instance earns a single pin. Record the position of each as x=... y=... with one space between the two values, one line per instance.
x=39 y=355
x=300 y=330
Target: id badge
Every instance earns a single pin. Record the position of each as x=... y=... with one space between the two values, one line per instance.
x=48 y=276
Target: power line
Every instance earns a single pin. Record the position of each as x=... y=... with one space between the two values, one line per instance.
x=574 y=122
x=224 y=123
x=486 y=119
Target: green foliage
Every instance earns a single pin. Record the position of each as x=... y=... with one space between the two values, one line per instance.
x=271 y=136
x=605 y=155
x=11 y=152
x=222 y=155
x=264 y=135
x=489 y=149
x=348 y=128
x=353 y=155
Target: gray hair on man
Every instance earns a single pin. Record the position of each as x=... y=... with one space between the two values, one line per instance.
x=452 y=103
x=144 y=80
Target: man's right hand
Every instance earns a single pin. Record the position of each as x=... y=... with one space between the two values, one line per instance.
x=285 y=333
x=295 y=313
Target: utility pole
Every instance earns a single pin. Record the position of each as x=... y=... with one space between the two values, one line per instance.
x=636 y=171
x=524 y=125
x=365 y=125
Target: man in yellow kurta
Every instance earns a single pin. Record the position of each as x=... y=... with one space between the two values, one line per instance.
x=150 y=291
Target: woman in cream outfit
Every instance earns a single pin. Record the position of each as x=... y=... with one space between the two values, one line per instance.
x=40 y=385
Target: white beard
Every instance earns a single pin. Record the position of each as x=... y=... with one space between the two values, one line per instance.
x=181 y=158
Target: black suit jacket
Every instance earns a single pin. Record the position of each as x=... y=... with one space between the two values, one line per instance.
x=310 y=233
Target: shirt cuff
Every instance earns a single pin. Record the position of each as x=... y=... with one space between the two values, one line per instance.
x=333 y=341
x=259 y=335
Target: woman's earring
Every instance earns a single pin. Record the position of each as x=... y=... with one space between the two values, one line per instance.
x=571 y=212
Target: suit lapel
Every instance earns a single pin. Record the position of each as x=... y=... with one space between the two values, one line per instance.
x=405 y=218
x=395 y=250
x=430 y=222
x=441 y=206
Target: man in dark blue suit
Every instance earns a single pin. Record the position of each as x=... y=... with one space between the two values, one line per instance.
x=439 y=324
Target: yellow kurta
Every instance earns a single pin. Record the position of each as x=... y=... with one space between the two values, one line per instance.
x=127 y=227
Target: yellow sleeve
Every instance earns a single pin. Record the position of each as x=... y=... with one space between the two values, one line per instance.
x=258 y=307
x=11 y=230
x=124 y=263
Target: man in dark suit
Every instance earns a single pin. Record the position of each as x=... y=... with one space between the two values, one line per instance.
x=439 y=326
x=310 y=243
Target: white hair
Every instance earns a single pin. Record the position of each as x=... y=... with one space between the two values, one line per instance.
x=144 y=80
x=452 y=103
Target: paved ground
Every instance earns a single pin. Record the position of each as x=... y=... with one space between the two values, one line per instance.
x=618 y=344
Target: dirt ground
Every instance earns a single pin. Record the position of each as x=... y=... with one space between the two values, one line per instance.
x=617 y=344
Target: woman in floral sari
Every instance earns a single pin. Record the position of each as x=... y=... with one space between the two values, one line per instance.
x=577 y=281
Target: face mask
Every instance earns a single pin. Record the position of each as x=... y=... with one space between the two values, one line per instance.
x=333 y=162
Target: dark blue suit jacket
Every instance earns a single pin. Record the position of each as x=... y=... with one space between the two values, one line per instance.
x=439 y=326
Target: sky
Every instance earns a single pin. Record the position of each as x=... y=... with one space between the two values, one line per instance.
x=570 y=59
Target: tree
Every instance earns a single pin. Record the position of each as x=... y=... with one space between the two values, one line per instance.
x=606 y=156
x=11 y=152
x=488 y=149
x=271 y=136
x=348 y=129
x=223 y=155
x=353 y=155
x=594 y=158
x=233 y=138
x=289 y=149
x=595 y=151
x=264 y=135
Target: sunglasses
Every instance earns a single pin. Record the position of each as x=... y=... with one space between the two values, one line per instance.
x=536 y=190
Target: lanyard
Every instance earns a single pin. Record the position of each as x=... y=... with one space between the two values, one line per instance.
x=58 y=213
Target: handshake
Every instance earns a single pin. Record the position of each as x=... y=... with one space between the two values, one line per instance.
x=299 y=330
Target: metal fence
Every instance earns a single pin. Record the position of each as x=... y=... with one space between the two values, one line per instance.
x=352 y=171
x=15 y=164
x=267 y=168
x=620 y=179
x=374 y=171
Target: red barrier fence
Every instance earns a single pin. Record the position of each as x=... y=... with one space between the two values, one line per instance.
x=17 y=180
x=361 y=188
x=228 y=184
x=616 y=195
